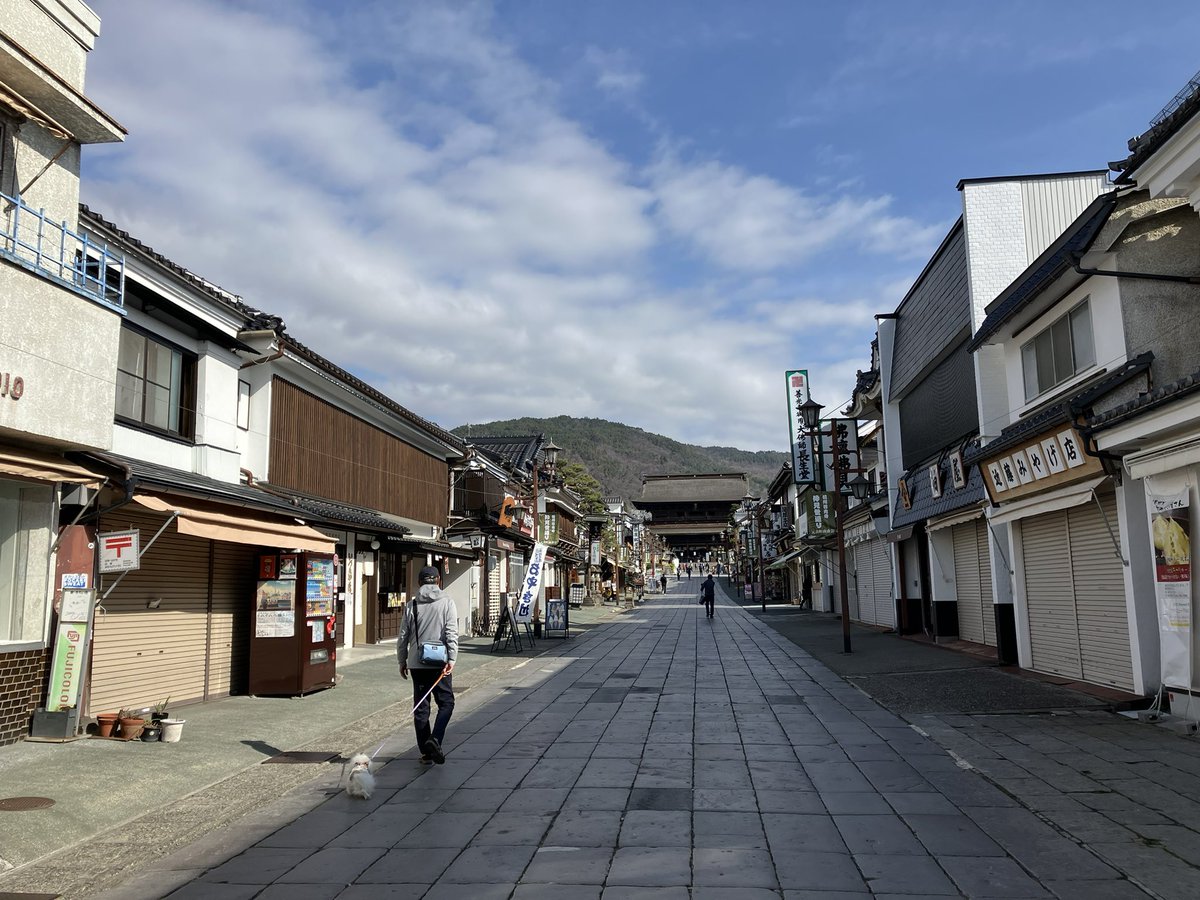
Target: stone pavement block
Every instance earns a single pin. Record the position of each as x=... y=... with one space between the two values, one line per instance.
x=660 y=798
x=622 y=892
x=802 y=832
x=733 y=867
x=488 y=865
x=569 y=750
x=656 y=828
x=553 y=892
x=991 y=877
x=895 y=777
x=585 y=828
x=569 y=865
x=830 y=895
x=203 y=890
x=779 y=776
x=419 y=800
x=1089 y=826
x=817 y=871
x=951 y=835
x=333 y=865
x=1153 y=867
x=703 y=892
x=836 y=776
x=1182 y=842
x=723 y=751
x=512 y=828
x=769 y=752
x=716 y=798
x=314 y=830
x=552 y=773
x=501 y=775
x=597 y=798
x=301 y=892
x=651 y=866
x=1097 y=890
x=727 y=823
x=878 y=835
x=476 y=800
x=855 y=803
x=258 y=865
x=445 y=829
x=908 y=875
x=527 y=801
x=931 y=803
x=725 y=774
x=876 y=751
x=800 y=802
x=616 y=773
x=487 y=891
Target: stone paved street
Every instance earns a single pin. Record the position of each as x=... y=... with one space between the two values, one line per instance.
x=670 y=756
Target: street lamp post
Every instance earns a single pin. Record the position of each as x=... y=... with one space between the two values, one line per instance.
x=810 y=412
x=748 y=504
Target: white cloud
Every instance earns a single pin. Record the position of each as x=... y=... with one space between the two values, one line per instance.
x=615 y=72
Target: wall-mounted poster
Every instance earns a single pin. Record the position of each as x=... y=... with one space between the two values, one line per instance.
x=1170 y=532
x=287 y=566
x=275 y=594
x=268 y=567
x=275 y=623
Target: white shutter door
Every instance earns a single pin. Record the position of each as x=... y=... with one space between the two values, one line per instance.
x=885 y=606
x=1049 y=595
x=1100 y=595
x=856 y=583
x=985 y=581
x=967 y=580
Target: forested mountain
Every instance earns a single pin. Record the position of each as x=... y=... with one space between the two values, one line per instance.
x=618 y=455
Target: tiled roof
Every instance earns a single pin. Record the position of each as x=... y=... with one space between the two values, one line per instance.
x=351 y=515
x=925 y=505
x=1164 y=394
x=1174 y=116
x=517 y=452
x=724 y=488
x=1057 y=259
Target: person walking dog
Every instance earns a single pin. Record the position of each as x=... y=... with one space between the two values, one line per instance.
x=708 y=595
x=426 y=649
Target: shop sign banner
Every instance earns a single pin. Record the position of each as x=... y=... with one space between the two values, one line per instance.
x=67 y=669
x=531 y=584
x=1170 y=533
x=818 y=513
x=804 y=466
x=839 y=447
x=118 y=551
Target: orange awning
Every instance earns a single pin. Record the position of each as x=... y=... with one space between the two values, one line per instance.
x=43 y=467
x=238 y=525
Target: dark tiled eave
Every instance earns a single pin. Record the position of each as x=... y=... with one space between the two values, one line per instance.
x=350 y=515
x=925 y=505
x=1160 y=396
x=1147 y=144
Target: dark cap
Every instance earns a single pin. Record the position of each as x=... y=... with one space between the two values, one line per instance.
x=428 y=575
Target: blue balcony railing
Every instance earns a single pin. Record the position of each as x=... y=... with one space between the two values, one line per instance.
x=53 y=250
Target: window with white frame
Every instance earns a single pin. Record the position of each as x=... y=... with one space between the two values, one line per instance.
x=1059 y=352
x=25 y=510
x=155 y=384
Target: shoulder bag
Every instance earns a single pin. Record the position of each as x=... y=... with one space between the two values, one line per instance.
x=432 y=653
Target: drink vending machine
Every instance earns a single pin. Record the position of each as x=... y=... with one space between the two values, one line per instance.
x=293 y=638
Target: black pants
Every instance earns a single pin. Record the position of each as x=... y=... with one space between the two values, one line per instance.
x=709 y=604
x=422 y=679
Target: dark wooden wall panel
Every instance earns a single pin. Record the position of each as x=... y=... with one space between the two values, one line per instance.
x=321 y=450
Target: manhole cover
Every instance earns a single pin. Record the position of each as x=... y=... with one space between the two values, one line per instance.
x=301 y=756
x=24 y=804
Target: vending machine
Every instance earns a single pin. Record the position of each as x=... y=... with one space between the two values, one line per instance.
x=293 y=638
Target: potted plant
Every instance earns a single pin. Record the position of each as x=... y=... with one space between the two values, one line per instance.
x=160 y=711
x=106 y=724
x=172 y=730
x=132 y=724
x=152 y=731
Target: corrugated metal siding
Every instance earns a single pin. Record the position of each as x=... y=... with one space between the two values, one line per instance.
x=140 y=655
x=1050 y=205
x=493 y=599
x=871 y=591
x=321 y=450
x=976 y=619
x=936 y=310
x=885 y=606
x=1049 y=595
x=1100 y=596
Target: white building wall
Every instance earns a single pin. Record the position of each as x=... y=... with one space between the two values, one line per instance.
x=58 y=33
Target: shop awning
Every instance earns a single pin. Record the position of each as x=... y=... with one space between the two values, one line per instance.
x=782 y=561
x=44 y=467
x=958 y=518
x=239 y=526
x=1075 y=495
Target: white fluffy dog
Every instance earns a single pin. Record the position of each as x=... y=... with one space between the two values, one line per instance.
x=361 y=782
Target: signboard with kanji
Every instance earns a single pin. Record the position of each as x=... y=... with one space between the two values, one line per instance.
x=118 y=550
x=804 y=465
x=1044 y=462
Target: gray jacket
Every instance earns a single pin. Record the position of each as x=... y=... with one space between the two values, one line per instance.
x=438 y=621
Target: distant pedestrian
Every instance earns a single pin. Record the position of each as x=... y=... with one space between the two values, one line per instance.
x=708 y=594
x=431 y=618
x=663 y=581
x=689 y=571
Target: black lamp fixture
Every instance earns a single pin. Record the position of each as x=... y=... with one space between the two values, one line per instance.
x=810 y=413
x=860 y=487
x=551 y=450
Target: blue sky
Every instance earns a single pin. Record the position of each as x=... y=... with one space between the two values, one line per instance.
x=643 y=212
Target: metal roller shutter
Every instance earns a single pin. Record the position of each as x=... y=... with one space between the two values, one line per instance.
x=987 y=599
x=858 y=581
x=1100 y=595
x=234 y=579
x=142 y=655
x=885 y=606
x=493 y=576
x=968 y=580
x=1049 y=594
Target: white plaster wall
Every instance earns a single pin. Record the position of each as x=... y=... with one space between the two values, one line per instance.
x=941 y=566
x=1141 y=603
x=994 y=225
x=1108 y=335
x=254 y=445
x=56 y=191
x=65 y=348
x=59 y=33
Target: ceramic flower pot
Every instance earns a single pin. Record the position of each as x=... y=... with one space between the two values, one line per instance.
x=131 y=728
x=152 y=732
x=172 y=730
x=106 y=723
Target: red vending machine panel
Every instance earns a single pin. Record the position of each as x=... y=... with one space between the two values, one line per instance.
x=293 y=639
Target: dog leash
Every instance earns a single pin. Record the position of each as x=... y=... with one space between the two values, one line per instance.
x=415 y=708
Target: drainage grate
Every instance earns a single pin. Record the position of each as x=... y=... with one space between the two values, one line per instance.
x=24 y=804
x=301 y=756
